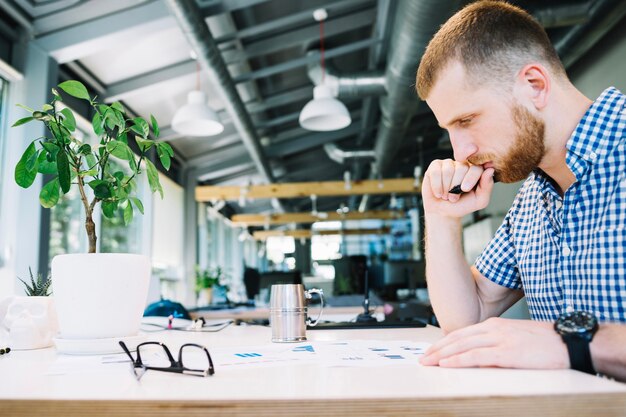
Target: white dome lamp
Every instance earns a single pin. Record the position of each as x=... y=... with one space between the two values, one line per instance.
x=196 y=118
x=323 y=113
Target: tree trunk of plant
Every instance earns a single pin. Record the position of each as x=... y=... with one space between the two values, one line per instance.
x=90 y=226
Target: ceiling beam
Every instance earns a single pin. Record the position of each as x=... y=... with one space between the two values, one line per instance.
x=307 y=234
x=303 y=35
x=293 y=20
x=286 y=218
x=311 y=58
x=306 y=189
x=312 y=140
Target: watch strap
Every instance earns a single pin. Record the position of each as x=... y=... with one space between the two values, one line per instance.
x=579 y=354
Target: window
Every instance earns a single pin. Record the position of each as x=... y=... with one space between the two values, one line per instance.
x=3 y=113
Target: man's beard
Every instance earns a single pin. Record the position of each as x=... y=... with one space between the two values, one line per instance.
x=527 y=151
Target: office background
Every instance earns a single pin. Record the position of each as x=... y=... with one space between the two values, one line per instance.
x=135 y=52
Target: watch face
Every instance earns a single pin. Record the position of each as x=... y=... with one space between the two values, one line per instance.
x=578 y=322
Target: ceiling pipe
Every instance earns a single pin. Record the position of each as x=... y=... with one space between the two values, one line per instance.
x=353 y=86
x=339 y=155
x=603 y=16
x=191 y=21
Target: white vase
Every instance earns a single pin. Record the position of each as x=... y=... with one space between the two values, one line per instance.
x=100 y=295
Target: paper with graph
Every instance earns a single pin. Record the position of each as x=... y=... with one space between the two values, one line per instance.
x=336 y=353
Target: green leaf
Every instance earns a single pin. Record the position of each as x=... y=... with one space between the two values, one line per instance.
x=153 y=178
x=91 y=161
x=100 y=189
x=23 y=120
x=109 y=208
x=31 y=162
x=50 y=147
x=155 y=126
x=119 y=176
x=49 y=194
x=118 y=106
x=138 y=203
x=113 y=118
x=28 y=109
x=63 y=166
x=144 y=144
x=96 y=124
x=56 y=95
x=167 y=148
x=45 y=166
x=69 y=121
x=140 y=127
x=75 y=89
x=123 y=137
x=165 y=160
x=128 y=214
x=119 y=150
x=23 y=176
x=85 y=149
x=41 y=116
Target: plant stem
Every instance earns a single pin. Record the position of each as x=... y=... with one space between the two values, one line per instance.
x=90 y=226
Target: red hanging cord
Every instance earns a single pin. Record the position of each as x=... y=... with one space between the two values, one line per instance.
x=322 y=48
x=197 y=75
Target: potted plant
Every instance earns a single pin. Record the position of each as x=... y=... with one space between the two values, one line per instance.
x=30 y=320
x=206 y=280
x=97 y=295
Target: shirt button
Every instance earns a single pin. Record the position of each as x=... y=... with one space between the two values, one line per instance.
x=593 y=156
x=566 y=250
x=558 y=204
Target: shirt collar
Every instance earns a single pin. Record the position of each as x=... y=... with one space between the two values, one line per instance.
x=592 y=140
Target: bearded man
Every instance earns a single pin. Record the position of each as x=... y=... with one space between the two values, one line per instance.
x=496 y=84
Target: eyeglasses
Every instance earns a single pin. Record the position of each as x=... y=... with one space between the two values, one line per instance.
x=158 y=357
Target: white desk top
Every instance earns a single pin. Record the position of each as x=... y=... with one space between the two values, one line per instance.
x=26 y=389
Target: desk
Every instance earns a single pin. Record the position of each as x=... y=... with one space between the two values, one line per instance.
x=302 y=389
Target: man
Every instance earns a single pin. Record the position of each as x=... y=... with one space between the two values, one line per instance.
x=497 y=86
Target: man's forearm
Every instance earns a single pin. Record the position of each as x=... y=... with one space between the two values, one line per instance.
x=451 y=287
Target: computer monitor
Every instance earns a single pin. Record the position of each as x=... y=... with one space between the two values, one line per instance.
x=268 y=279
x=404 y=274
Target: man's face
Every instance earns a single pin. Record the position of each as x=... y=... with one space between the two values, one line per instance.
x=487 y=126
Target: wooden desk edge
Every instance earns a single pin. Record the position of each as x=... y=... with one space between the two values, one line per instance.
x=566 y=405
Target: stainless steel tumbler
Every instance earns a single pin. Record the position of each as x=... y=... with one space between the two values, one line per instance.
x=288 y=312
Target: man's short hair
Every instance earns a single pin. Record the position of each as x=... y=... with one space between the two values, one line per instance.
x=493 y=40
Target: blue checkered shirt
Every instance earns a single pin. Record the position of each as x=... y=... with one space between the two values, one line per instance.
x=570 y=252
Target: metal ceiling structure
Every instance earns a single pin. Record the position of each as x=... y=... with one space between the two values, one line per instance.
x=259 y=60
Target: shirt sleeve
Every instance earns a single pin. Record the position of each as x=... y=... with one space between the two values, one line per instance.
x=497 y=262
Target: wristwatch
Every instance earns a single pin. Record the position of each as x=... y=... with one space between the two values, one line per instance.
x=577 y=329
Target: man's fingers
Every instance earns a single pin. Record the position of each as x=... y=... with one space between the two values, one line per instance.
x=471 y=178
x=457 y=347
x=485 y=187
x=482 y=357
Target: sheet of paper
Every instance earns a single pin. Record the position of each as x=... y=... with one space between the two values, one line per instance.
x=339 y=353
x=345 y=353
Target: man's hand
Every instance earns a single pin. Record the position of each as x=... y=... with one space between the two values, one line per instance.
x=502 y=343
x=442 y=175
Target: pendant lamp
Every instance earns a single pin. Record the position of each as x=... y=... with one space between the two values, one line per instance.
x=324 y=112
x=196 y=118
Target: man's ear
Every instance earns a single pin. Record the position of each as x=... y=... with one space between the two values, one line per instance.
x=533 y=83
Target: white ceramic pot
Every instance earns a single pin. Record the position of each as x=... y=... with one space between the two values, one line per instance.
x=100 y=295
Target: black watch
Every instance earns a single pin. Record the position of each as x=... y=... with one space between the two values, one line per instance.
x=577 y=330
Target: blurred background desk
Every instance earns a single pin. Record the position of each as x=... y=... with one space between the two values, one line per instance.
x=26 y=389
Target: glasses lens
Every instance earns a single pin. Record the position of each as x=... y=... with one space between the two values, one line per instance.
x=154 y=356
x=195 y=357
